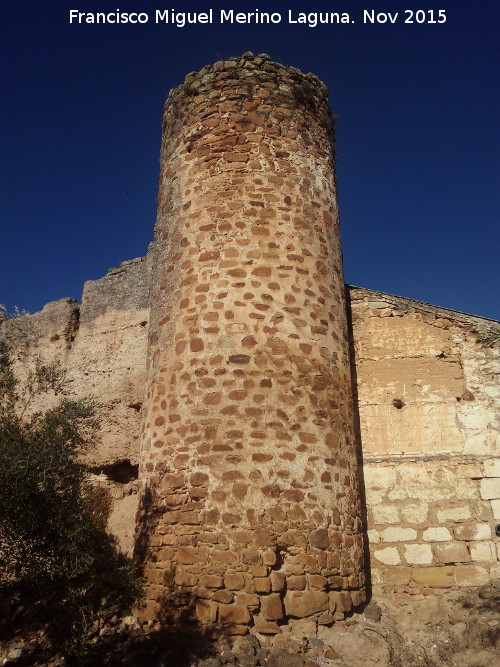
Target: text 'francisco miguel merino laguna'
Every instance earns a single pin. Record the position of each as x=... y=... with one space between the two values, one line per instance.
x=230 y=16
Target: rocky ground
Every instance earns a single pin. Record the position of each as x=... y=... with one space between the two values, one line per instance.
x=450 y=630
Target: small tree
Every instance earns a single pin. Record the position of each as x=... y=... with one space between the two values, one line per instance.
x=56 y=561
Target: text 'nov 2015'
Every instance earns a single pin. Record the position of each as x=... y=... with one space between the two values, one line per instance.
x=182 y=19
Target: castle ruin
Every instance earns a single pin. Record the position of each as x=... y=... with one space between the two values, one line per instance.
x=298 y=435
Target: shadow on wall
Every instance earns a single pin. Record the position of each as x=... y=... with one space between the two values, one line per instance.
x=359 y=449
x=149 y=513
x=170 y=644
x=176 y=606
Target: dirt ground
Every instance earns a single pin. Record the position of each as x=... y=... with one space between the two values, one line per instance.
x=452 y=629
x=458 y=629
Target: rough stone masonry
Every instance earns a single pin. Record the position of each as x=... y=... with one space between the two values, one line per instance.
x=250 y=510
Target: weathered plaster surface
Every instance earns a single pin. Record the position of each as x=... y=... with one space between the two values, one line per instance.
x=446 y=382
x=429 y=398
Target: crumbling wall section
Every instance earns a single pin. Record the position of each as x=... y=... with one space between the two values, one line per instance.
x=109 y=356
x=428 y=400
x=101 y=344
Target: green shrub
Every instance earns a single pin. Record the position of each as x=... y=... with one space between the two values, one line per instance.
x=489 y=337
x=56 y=562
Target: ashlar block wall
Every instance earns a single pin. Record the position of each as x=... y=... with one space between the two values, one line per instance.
x=428 y=396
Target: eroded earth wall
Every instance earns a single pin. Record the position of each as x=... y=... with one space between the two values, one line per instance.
x=102 y=346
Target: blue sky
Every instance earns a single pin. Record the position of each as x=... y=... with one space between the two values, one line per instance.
x=417 y=139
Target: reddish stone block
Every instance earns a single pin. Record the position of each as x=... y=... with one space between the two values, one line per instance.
x=211 y=516
x=206 y=611
x=196 y=345
x=213 y=398
x=271 y=490
x=251 y=557
x=294 y=495
x=267 y=628
x=296 y=513
x=319 y=538
x=243 y=536
x=260 y=457
x=296 y=583
x=191 y=518
x=240 y=490
x=233 y=613
x=340 y=601
x=224 y=557
x=317 y=581
x=277 y=581
x=186 y=555
x=211 y=581
x=209 y=256
x=262 y=584
x=172 y=481
x=358 y=597
x=294 y=538
x=255 y=118
x=325 y=618
x=223 y=596
x=305 y=603
x=184 y=579
x=272 y=607
x=269 y=558
x=165 y=554
x=276 y=513
x=309 y=560
x=234 y=582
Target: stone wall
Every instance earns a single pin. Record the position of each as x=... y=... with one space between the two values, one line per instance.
x=428 y=398
x=429 y=464
x=250 y=337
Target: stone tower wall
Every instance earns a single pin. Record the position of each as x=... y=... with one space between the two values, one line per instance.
x=250 y=509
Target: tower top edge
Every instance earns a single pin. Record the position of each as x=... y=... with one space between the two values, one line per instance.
x=254 y=69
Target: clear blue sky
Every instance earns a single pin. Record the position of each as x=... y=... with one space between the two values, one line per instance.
x=417 y=139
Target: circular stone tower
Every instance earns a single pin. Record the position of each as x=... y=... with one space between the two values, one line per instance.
x=250 y=513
